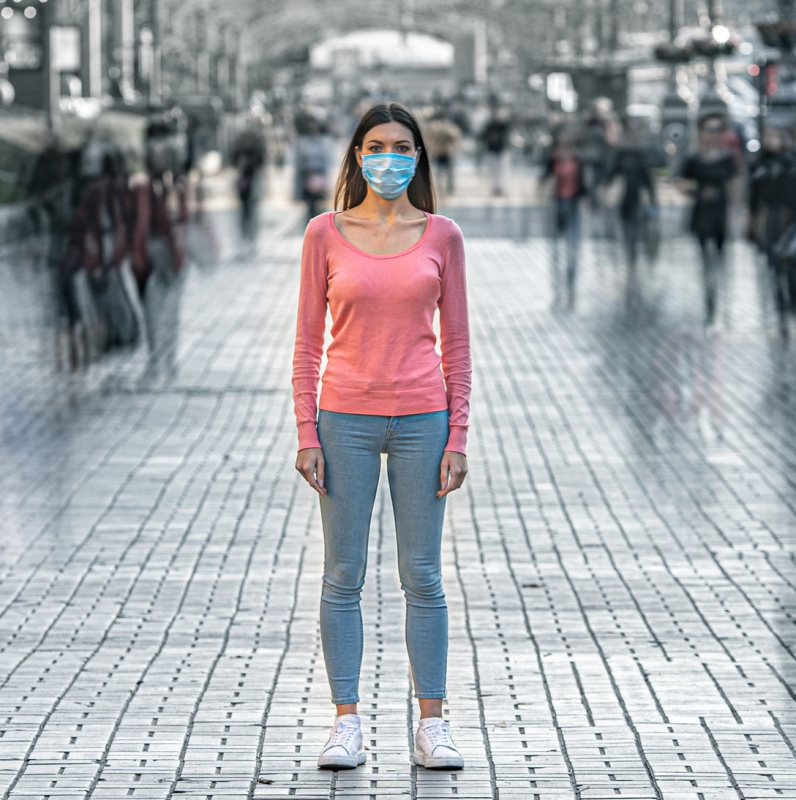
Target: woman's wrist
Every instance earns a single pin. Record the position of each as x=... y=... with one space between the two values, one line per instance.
x=308 y=435
x=457 y=440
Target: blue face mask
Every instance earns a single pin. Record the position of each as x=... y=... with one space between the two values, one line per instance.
x=388 y=174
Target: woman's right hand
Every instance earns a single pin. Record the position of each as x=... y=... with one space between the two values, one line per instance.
x=310 y=463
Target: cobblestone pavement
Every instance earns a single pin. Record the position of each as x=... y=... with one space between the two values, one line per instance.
x=619 y=567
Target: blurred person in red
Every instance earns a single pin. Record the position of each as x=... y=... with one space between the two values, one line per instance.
x=158 y=219
x=565 y=167
x=96 y=244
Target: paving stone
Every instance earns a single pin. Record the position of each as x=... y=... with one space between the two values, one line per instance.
x=618 y=566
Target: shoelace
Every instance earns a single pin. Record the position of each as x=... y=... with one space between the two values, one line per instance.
x=439 y=734
x=341 y=735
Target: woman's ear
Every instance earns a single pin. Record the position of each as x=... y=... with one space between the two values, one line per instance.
x=358 y=154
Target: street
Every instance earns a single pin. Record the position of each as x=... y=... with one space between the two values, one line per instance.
x=619 y=566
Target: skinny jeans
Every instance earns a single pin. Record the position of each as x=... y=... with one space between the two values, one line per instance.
x=352 y=446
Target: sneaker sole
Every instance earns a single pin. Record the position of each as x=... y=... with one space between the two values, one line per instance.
x=429 y=762
x=341 y=762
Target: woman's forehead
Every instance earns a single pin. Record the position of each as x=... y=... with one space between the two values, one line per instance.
x=390 y=132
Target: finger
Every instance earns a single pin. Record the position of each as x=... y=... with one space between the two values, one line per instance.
x=444 y=477
x=307 y=471
x=451 y=487
x=312 y=481
x=455 y=481
x=316 y=474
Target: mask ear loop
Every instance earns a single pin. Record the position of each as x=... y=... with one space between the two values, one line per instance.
x=417 y=160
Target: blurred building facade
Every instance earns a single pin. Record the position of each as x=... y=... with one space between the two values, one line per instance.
x=82 y=55
x=146 y=52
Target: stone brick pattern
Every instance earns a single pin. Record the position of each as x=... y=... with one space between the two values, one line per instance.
x=619 y=566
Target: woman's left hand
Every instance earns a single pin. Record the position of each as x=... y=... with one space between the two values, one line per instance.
x=452 y=471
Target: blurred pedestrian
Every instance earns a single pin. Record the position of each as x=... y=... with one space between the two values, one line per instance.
x=383 y=266
x=706 y=175
x=248 y=156
x=601 y=140
x=312 y=164
x=479 y=115
x=96 y=245
x=495 y=138
x=50 y=183
x=159 y=215
x=772 y=205
x=566 y=169
x=443 y=138
x=734 y=140
x=631 y=166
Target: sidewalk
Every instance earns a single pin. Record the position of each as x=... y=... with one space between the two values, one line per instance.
x=619 y=566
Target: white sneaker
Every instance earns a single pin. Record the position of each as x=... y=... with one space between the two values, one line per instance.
x=344 y=749
x=434 y=747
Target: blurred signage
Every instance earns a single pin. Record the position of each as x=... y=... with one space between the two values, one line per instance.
x=65 y=48
x=21 y=35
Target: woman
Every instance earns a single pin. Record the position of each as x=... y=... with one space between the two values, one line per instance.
x=710 y=170
x=383 y=266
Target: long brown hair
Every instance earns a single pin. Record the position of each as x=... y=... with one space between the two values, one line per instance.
x=351 y=186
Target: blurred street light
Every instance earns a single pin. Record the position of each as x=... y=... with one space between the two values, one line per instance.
x=721 y=34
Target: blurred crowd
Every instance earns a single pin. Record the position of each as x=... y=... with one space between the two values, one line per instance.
x=120 y=226
x=116 y=227
x=727 y=190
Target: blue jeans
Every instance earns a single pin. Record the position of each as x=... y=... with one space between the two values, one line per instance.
x=352 y=447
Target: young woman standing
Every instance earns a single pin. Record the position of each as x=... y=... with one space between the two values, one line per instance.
x=383 y=266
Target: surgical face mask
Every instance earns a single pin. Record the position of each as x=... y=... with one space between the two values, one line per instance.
x=388 y=174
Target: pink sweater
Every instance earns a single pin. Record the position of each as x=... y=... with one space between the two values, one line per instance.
x=382 y=358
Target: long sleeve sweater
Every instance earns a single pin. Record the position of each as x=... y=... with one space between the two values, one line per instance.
x=382 y=359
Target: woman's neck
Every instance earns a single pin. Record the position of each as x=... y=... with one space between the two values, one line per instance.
x=376 y=207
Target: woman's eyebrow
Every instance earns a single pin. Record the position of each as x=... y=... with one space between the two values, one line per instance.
x=378 y=141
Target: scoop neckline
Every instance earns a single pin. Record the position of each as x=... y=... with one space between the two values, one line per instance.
x=429 y=220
